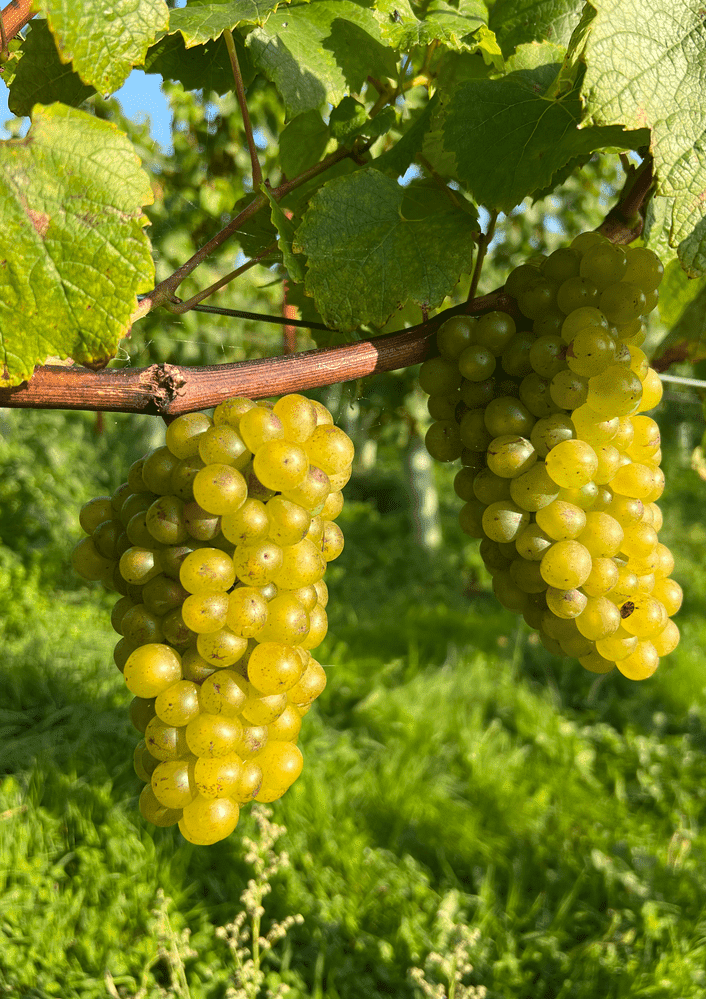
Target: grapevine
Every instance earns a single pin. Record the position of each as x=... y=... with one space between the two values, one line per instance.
x=560 y=465
x=217 y=545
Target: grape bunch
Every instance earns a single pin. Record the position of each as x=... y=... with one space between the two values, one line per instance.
x=560 y=465
x=217 y=545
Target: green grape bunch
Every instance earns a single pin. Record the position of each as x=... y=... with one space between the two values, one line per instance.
x=217 y=545
x=560 y=465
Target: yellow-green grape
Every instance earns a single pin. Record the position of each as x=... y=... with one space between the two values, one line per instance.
x=251 y=741
x=437 y=376
x=550 y=431
x=634 y=480
x=520 y=278
x=150 y=669
x=571 y=464
x=599 y=619
x=534 y=393
x=622 y=302
x=173 y=783
x=640 y=539
x=288 y=522
x=531 y=543
x=249 y=783
x=222 y=647
x=617 y=391
x=247 y=611
x=281 y=764
x=643 y=615
x=105 y=538
x=205 y=611
x=95 y=512
x=200 y=524
x=508 y=593
x=223 y=693
x=142 y=711
x=165 y=520
x=443 y=440
x=568 y=390
x=608 y=463
x=548 y=324
x=87 y=561
x=561 y=264
x=475 y=395
x=490 y=488
x=476 y=363
x=297 y=415
x=566 y=566
x=510 y=455
x=165 y=742
x=463 y=483
x=455 y=335
x=258 y=564
x=323 y=417
x=302 y=565
x=580 y=319
x=313 y=491
x=262 y=709
x=506 y=415
x=593 y=428
x=443 y=407
x=534 y=489
x=143 y=762
x=646 y=438
x=183 y=434
x=495 y=330
x=194 y=667
x=156 y=813
x=310 y=684
x=274 y=667
x=223 y=445
x=281 y=465
x=537 y=298
x=333 y=505
x=618 y=645
x=604 y=264
x=567 y=604
x=591 y=351
x=576 y=292
x=470 y=518
x=561 y=521
x=653 y=515
x=658 y=483
x=595 y=663
x=212 y=736
x=162 y=594
x=286 y=728
x=247 y=525
x=666 y=640
x=207 y=569
x=318 y=628
x=259 y=425
x=471 y=432
x=493 y=558
x=139 y=565
x=503 y=521
x=639 y=364
x=527 y=576
x=332 y=541
x=670 y=594
x=219 y=777
x=118 y=498
x=548 y=355
x=157 y=471
x=220 y=489
x=231 y=410
x=140 y=626
x=135 y=503
x=340 y=479
x=287 y=621
x=633 y=333
x=306 y=595
x=515 y=359
x=644 y=268
x=585 y=497
x=330 y=449
x=178 y=704
x=603 y=578
x=208 y=820
x=122 y=652
x=602 y=535
x=641 y=663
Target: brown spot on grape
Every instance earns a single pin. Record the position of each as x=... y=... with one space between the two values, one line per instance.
x=627 y=609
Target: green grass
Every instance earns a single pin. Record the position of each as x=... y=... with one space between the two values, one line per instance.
x=449 y=761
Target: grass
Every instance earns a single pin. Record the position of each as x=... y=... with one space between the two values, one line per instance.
x=460 y=784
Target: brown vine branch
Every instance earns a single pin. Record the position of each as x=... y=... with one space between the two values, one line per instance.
x=625 y=221
x=247 y=124
x=14 y=17
x=180 y=307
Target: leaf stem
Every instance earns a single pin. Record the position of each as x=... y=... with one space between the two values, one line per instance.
x=242 y=101
x=180 y=307
x=483 y=244
x=625 y=221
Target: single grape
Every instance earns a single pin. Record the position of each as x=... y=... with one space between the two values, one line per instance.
x=443 y=440
x=550 y=431
x=591 y=351
x=527 y=576
x=572 y=463
x=561 y=521
x=566 y=603
x=454 y=336
x=515 y=358
x=604 y=576
x=495 y=330
x=531 y=543
x=221 y=648
x=439 y=376
x=568 y=390
x=577 y=292
x=602 y=535
x=259 y=425
x=534 y=489
x=156 y=813
x=566 y=565
x=503 y=521
x=490 y=488
x=476 y=395
x=281 y=764
x=666 y=641
x=622 y=302
x=298 y=417
x=561 y=265
x=644 y=268
x=535 y=394
x=641 y=663
x=510 y=455
x=208 y=820
x=604 y=264
x=506 y=415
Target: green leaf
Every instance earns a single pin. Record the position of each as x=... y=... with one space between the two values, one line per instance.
x=404 y=27
x=257 y=232
x=105 y=40
x=41 y=77
x=285 y=238
x=397 y=159
x=536 y=64
x=316 y=53
x=302 y=143
x=73 y=248
x=199 y=23
x=373 y=245
x=676 y=292
x=646 y=67
x=509 y=142
x=350 y=119
x=518 y=21
x=205 y=67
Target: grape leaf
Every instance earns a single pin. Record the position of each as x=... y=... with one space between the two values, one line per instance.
x=536 y=65
x=646 y=68
x=350 y=119
x=257 y=232
x=403 y=27
x=199 y=23
x=525 y=137
x=285 y=238
x=676 y=293
x=302 y=142
x=205 y=67
x=518 y=21
x=41 y=77
x=373 y=245
x=315 y=53
x=73 y=250
x=397 y=159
